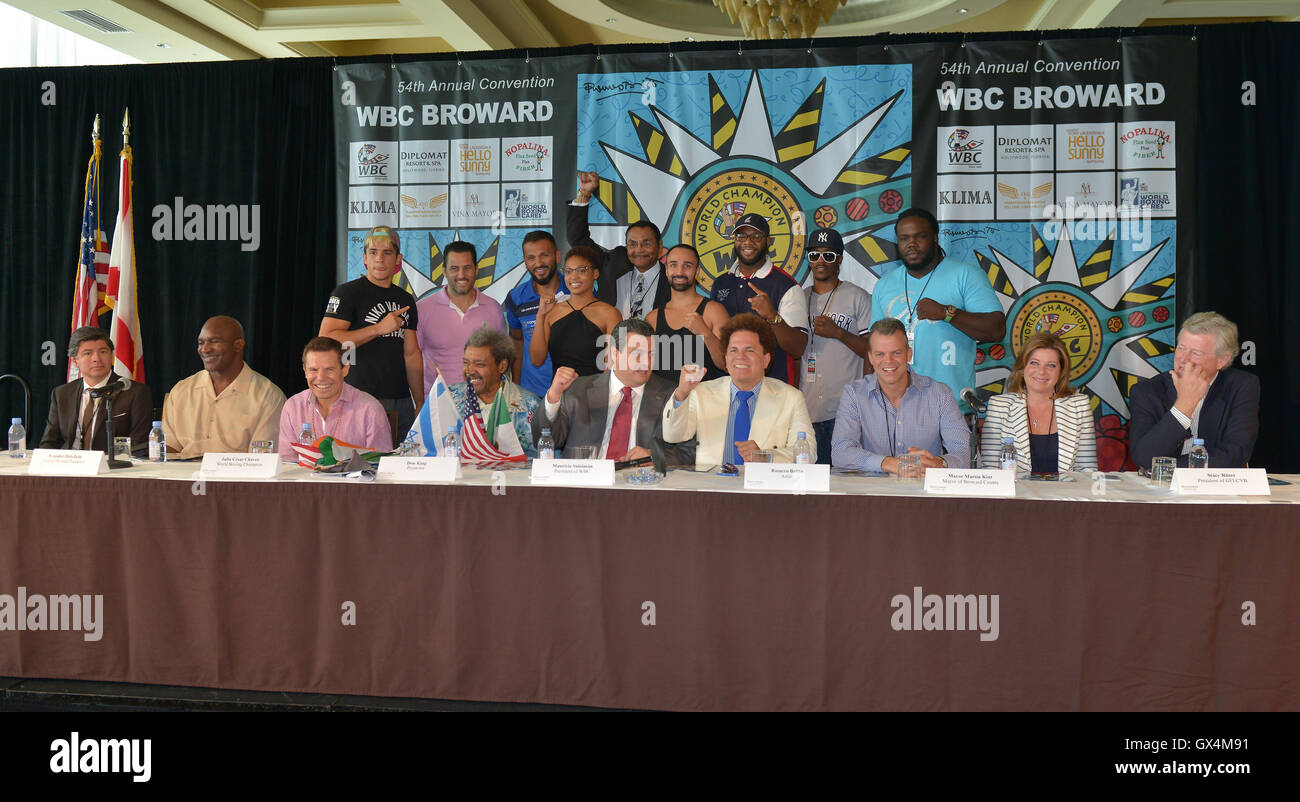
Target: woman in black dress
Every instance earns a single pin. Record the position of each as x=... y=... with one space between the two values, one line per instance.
x=571 y=330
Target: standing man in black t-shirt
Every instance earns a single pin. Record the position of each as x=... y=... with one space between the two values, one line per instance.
x=379 y=321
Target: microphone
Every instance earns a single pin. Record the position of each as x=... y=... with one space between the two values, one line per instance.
x=968 y=395
x=113 y=386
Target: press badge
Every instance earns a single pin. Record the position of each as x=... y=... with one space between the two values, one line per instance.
x=911 y=346
x=812 y=367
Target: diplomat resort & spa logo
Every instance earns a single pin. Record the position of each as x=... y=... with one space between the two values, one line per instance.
x=693 y=151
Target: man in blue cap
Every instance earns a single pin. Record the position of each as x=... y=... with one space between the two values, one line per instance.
x=837 y=345
x=755 y=285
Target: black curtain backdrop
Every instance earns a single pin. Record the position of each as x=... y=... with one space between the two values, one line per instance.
x=1248 y=174
x=245 y=133
x=262 y=133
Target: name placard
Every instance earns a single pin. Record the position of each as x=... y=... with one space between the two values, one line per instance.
x=573 y=472
x=58 y=462
x=419 y=469
x=777 y=477
x=970 y=482
x=235 y=465
x=1221 y=482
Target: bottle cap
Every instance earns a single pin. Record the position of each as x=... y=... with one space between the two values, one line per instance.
x=1198 y=442
x=157 y=423
x=1007 y=441
x=15 y=421
x=546 y=431
x=801 y=436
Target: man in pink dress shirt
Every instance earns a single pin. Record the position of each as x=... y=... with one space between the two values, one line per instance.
x=332 y=406
x=449 y=316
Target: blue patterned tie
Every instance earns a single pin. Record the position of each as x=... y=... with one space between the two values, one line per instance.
x=740 y=426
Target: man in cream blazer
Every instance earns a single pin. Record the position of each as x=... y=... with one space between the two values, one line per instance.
x=773 y=413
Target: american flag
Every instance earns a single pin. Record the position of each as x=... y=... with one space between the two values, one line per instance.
x=475 y=446
x=93 y=257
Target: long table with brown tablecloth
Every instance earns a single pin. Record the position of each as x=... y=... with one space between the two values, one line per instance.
x=686 y=596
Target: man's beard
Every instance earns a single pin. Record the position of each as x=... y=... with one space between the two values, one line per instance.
x=927 y=259
x=548 y=278
x=759 y=258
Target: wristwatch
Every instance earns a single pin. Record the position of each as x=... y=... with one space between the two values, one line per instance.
x=951 y=313
x=943 y=462
x=776 y=320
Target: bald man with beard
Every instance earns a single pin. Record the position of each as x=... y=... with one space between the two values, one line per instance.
x=225 y=406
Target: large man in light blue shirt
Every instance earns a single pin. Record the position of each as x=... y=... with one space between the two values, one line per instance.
x=945 y=306
x=897 y=411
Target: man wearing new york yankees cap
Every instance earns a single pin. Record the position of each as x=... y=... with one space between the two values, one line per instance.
x=754 y=285
x=837 y=346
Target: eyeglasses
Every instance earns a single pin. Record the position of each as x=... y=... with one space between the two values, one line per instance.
x=823 y=256
x=749 y=237
x=576 y=271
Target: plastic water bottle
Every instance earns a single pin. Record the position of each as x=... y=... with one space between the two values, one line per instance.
x=545 y=445
x=1007 y=460
x=451 y=444
x=803 y=453
x=410 y=446
x=157 y=443
x=1198 y=457
x=306 y=437
x=17 y=439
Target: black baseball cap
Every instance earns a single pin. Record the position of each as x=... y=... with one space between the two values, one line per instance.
x=755 y=221
x=824 y=238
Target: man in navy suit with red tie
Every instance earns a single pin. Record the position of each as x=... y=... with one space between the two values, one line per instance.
x=1200 y=398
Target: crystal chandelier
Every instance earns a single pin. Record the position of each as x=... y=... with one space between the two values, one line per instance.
x=779 y=19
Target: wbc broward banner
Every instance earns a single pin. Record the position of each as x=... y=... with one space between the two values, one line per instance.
x=1053 y=167
x=1058 y=175
x=488 y=150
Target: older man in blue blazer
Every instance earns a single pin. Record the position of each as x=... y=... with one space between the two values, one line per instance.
x=1200 y=398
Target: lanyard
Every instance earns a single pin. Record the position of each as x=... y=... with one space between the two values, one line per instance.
x=893 y=431
x=907 y=298
x=811 y=330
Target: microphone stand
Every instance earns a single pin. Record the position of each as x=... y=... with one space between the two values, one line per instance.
x=113 y=462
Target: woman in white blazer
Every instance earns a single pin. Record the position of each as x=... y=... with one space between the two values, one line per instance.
x=1050 y=423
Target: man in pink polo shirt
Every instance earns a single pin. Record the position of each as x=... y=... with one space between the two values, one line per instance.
x=331 y=406
x=449 y=316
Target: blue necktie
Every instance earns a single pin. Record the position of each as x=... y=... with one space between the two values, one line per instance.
x=740 y=426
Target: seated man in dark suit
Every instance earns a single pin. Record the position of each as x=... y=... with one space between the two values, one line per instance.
x=577 y=410
x=77 y=420
x=1201 y=397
